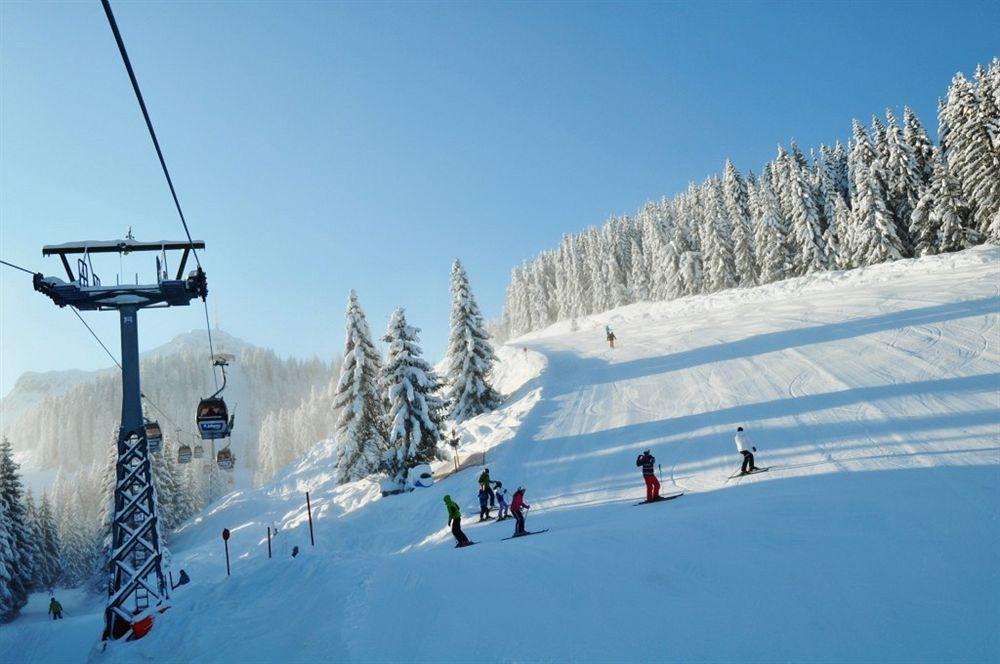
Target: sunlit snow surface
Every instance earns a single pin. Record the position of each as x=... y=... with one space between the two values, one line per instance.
x=872 y=394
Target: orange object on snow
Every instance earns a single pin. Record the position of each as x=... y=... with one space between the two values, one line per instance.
x=141 y=628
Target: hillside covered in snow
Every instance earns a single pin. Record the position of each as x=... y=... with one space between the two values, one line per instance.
x=872 y=395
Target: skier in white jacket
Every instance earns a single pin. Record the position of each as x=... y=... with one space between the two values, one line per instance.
x=747 y=449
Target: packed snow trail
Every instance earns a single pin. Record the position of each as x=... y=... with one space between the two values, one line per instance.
x=872 y=396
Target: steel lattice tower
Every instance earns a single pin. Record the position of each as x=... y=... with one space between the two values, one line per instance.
x=136 y=583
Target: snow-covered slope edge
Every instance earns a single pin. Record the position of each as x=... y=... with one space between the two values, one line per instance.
x=891 y=370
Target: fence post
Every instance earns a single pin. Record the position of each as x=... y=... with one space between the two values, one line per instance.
x=269 y=541
x=312 y=541
x=225 y=539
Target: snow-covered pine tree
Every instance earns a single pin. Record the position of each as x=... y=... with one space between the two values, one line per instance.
x=48 y=569
x=875 y=232
x=360 y=428
x=74 y=554
x=416 y=415
x=838 y=234
x=171 y=494
x=640 y=283
x=10 y=602
x=863 y=153
x=691 y=273
x=106 y=479
x=33 y=542
x=902 y=178
x=738 y=209
x=972 y=155
x=34 y=537
x=879 y=137
x=940 y=221
x=719 y=263
x=920 y=144
x=470 y=353
x=563 y=274
x=806 y=236
x=772 y=247
x=14 y=514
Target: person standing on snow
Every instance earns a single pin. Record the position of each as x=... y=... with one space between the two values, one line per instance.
x=455 y=521
x=746 y=448
x=487 y=484
x=501 y=494
x=648 y=464
x=516 y=507
x=55 y=608
x=484 y=508
x=610 y=335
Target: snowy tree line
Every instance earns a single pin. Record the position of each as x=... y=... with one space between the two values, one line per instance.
x=891 y=193
x=69 y=430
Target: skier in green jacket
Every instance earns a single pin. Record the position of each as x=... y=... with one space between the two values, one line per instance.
x=455 y=521
x=55 y=608
x=487 y=484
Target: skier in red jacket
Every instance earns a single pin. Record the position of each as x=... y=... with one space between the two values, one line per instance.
x=648 y=463
x=516 y=505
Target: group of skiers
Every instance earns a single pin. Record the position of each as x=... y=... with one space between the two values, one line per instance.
x=647 y=462
x=491 y=494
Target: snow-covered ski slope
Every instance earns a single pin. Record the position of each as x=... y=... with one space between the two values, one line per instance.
x=872 y=395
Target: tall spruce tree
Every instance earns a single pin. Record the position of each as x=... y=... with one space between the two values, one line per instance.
x=470 y=353
x=14 y=514
x=771 y=234
x=876 y=240
x=940 y=221
x=738 y=210
x=806 y=236
x=49 y=568
x=920 y=144
x=10 y=601
x=972 y=153
x=361 y=427
x=903 y=179
x=415 y=420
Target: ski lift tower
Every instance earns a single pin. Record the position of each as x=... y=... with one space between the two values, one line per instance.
x=136 y=573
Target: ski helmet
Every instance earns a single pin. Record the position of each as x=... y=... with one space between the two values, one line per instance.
x=739 y=428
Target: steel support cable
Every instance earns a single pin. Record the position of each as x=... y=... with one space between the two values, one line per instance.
x=159 y=154
x=17 y=267
x=73 y=309
x=103 y=345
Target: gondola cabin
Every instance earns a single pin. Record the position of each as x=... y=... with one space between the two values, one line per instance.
x=154 y=437
x=213 y=419
x=184 y=454
x=199 y=452
x=225 y=459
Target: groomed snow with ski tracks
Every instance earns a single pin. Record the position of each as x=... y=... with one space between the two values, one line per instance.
x=871 y=394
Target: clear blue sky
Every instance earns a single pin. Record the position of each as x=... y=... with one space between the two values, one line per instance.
x=318 y=147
